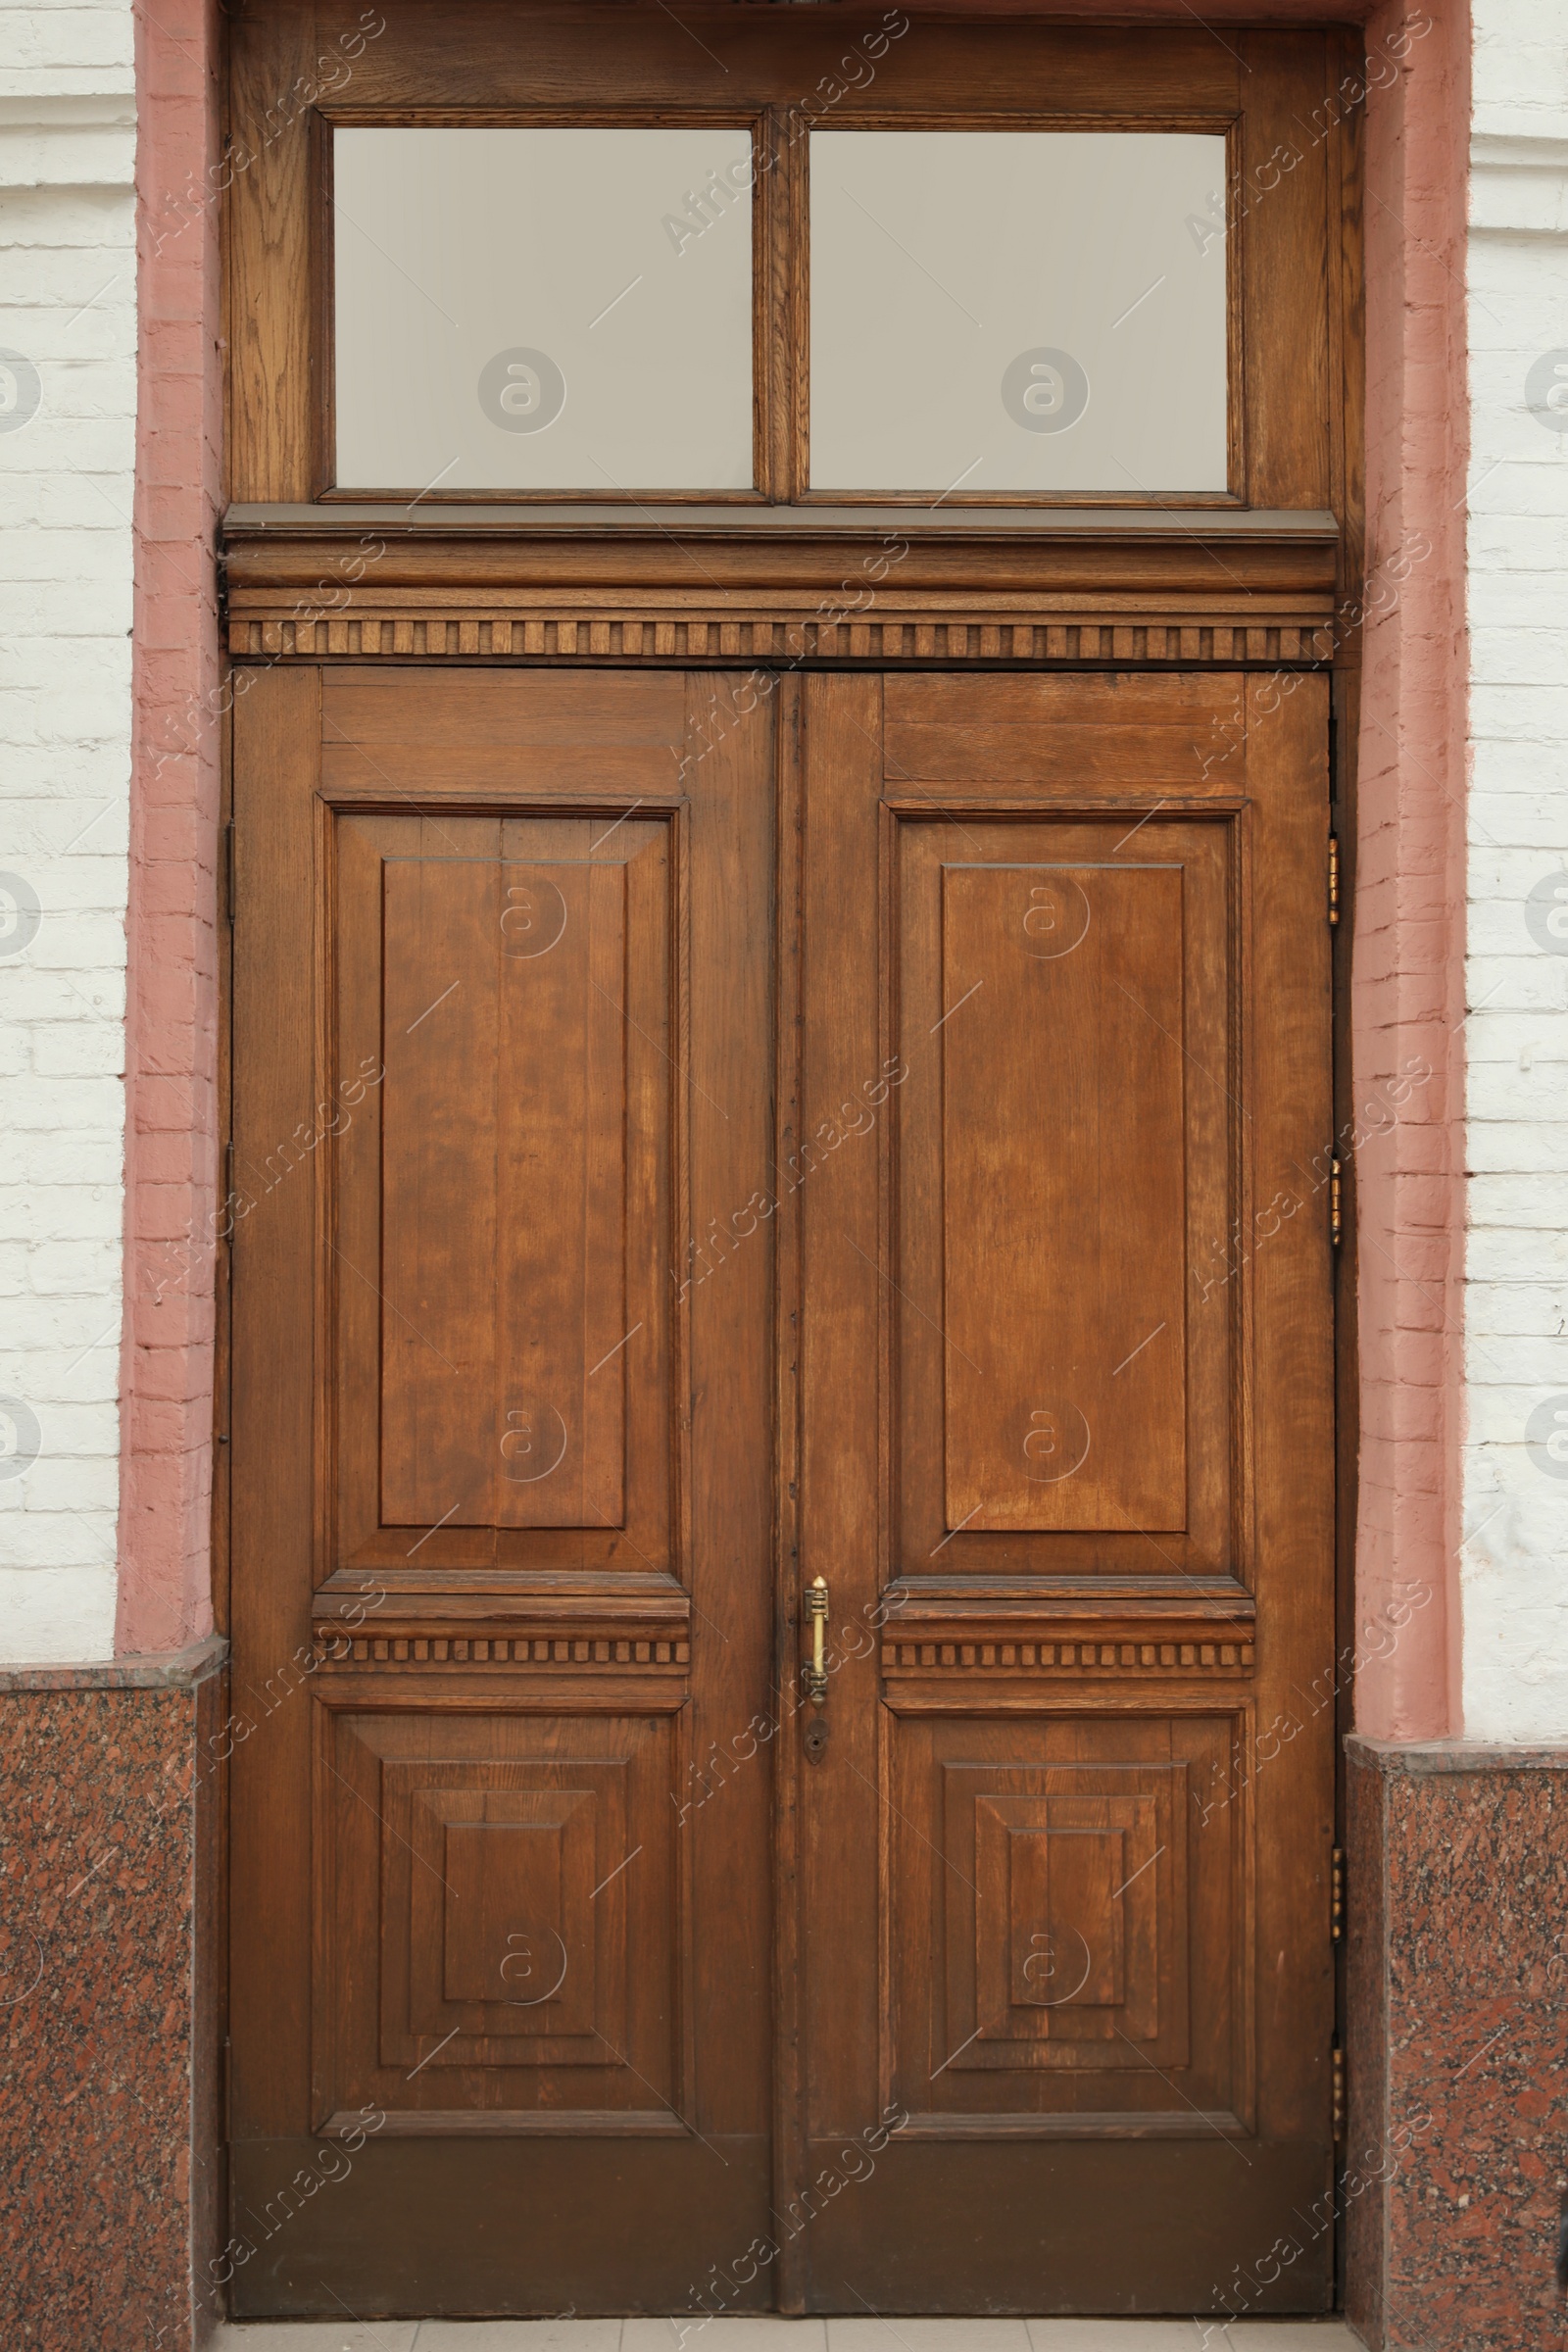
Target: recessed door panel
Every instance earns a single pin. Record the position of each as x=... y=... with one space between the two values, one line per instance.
x=503 y=1246
x=1063 y=1101
x=1064 y=1162
x=503 y=1378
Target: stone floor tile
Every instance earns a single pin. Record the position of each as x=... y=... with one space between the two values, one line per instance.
x=898 y=2334
x=1293 y=2336
x=316 y=2335
x=733 y=2331
x=564 y=2334
x=1126 y=2336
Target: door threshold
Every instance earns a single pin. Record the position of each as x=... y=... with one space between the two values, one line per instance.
x=738 y=2333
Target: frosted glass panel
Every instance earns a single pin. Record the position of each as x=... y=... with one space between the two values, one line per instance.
x=514 y=310
x=1017 y=310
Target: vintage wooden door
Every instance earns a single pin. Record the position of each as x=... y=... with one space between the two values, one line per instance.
x=1064 y=1468
x=690 y=1142
x=502 y=1492
x=781 y=1072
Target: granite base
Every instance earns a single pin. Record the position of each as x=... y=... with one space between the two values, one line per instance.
x=1457 y=2017
x=108 y=1975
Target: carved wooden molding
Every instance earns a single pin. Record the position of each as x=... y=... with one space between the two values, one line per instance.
x=1069 y=1657
x=272 y=630
x=334 y=1648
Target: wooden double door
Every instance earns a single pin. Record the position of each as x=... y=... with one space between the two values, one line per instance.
x=695 y=1136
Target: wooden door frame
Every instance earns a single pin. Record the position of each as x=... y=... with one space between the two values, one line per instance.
x=1201 y=586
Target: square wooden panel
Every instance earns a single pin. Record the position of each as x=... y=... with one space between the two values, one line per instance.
x=1063 y=1946
x=521 y=1856
x=1065 y=1921
x=1075 y=1930
x=496 y=1906
x=489 y=1929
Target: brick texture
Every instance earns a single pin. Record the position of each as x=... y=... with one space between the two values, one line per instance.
x=1515 y=1593
x=68 y=263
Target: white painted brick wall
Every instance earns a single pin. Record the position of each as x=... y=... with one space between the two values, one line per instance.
x=68 y=286
x=1514 y=1566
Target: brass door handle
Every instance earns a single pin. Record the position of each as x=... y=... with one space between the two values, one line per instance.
x=817 y=1612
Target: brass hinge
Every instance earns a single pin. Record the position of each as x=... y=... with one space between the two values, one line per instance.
x=1336 y=1893
x=1334 y=877
x=228 y=875
x=1338 y=2069
x=1336 y=1203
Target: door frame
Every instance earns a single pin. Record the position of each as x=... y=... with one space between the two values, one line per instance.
x=309 y=578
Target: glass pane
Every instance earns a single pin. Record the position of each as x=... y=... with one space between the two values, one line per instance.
x=1017 y=310
x=535 y=309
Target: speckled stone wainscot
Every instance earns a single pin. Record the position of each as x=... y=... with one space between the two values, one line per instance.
x=107 y=2138
x=1457 y=2031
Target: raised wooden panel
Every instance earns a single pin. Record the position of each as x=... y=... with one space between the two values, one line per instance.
x=504 y=1101
x=1063 y=1921
x=1056 y=1945
x=488 y=1926
x=1064 y=1151
x=498 y=1916
x=1063 y=1197
x=503 y=1386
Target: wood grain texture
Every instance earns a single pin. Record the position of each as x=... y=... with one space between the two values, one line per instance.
x=1090 y=1822
x=1064 y=1195
x=504 y=1152
x=509 y=1190
x=487 y=1756
x=276 y=291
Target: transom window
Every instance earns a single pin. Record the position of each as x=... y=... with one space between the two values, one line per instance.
x=914 y=314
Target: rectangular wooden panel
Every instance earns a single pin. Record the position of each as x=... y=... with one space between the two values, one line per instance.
x=1063 y=1197
x=504 y=1155
x=1063 y=1153
x=504 y=1326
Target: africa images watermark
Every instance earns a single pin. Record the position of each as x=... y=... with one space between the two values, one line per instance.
x=333 y=2163
x=203 y=191
x=722 y=191
x=1352 y=92
x=719 y=2289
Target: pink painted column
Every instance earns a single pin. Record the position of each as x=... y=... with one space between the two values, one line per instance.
x=171 y=1011
x=1407 y=1004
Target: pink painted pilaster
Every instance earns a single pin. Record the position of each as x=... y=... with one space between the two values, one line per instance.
x=172 y=1010
x=1407 y=1004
